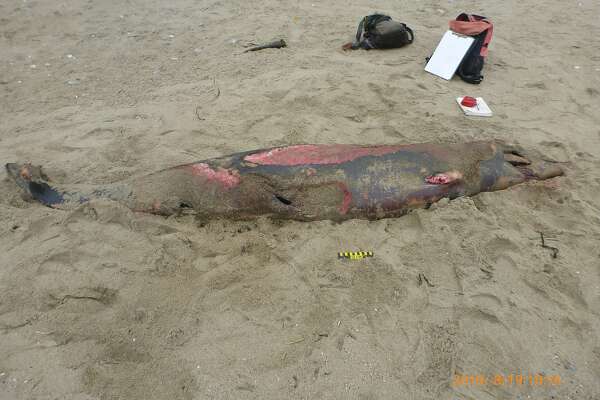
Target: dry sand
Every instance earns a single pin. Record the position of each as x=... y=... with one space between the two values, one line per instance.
x=103 y=303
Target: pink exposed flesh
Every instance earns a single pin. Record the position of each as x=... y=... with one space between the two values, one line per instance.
x=225 y=177
x=347 y=198
x=439 y=179
x=317 y=154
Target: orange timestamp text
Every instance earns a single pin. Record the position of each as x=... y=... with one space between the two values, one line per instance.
x=506 y=380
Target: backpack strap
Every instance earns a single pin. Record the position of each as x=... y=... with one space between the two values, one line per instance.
x=361 y=30
x=487 y=40
x=361 y=40
x=474 y=79
x=410 y=34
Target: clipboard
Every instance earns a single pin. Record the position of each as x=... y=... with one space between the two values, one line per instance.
x=448 y=54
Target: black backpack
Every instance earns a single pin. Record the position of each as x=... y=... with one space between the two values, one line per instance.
x=379 y=31
x=470 y=68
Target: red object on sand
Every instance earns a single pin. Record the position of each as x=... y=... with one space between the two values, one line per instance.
x=469 y=101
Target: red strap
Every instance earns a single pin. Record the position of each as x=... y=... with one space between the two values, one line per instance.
x=487 y=40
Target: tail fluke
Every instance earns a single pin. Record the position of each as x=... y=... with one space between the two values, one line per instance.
x=33 y=181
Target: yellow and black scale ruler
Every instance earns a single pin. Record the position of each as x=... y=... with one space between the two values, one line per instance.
x=355 y=255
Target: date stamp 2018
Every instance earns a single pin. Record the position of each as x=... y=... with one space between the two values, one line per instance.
x=506 y=380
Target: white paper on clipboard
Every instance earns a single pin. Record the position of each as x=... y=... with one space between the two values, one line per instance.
x=448 y=54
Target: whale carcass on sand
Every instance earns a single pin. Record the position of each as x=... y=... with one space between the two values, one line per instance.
x=309 y=182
